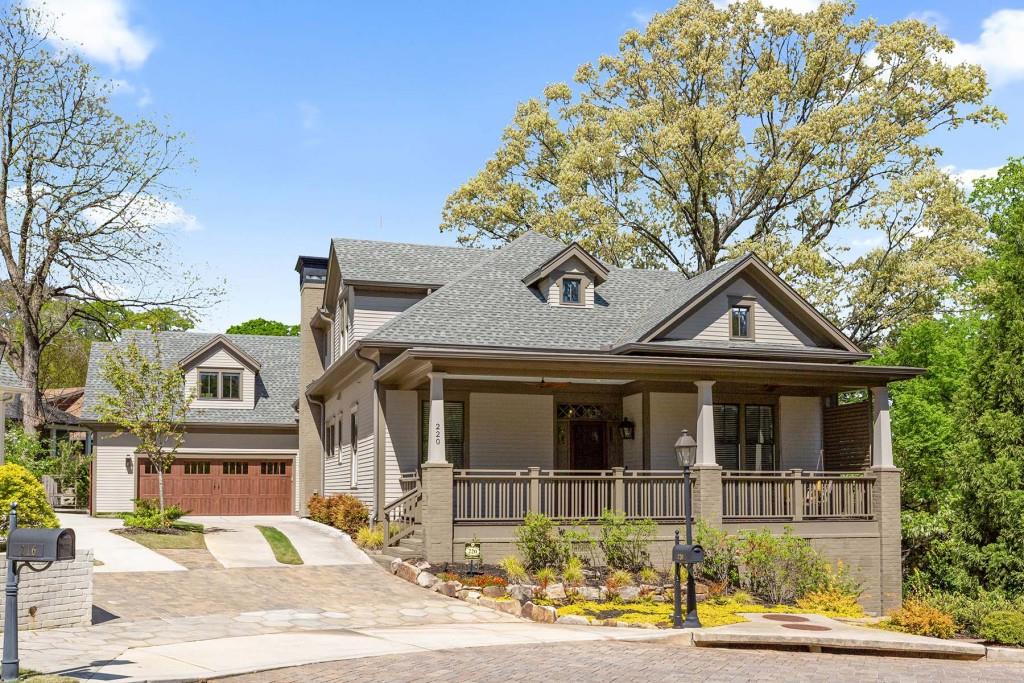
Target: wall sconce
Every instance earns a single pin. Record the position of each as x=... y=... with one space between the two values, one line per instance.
x=627 y=429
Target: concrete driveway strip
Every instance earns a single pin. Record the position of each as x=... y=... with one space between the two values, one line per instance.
x=319 y=544
x=117 y=553
x=236 y=542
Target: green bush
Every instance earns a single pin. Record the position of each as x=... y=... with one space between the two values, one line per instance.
x=969 y=612
x=721 y=556
x=1004 y=627
x=342 y=511
x=625 y=542
x=540 y=543
x=18 y=484
x=779 y=568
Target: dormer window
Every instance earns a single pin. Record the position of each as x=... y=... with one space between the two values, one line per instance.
x=571 y=290
x=220 y=385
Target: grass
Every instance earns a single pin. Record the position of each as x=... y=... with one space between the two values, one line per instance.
x=184 y=540
x=283 y=549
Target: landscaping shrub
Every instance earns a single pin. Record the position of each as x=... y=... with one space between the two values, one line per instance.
x=370 y=538
x=18 y=484
x=649 y=575
x=482 y=581
x=969 y=612
x=616 y=581
x=342 y=511
x=545 y=576
x=1005 y=627
x=918 y=617
x=540 y=544
x=624 y=542
x=832 y=602
x=721 y=556
x=573 y=575
x=147 y=516
x=780 y=568
x=514 y=570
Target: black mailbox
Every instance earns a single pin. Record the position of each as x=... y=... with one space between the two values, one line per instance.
x=41 y=545
x=687 y=554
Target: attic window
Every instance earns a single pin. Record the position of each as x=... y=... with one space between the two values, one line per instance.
x=741 y=323
x=217 y=384
x=571 y=290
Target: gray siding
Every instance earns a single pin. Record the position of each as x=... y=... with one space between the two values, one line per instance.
x=373 y=310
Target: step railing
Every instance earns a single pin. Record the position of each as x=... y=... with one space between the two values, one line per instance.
x=795 y=495
x=402 y=515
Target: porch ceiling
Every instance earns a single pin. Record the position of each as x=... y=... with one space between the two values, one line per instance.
x=410 y=369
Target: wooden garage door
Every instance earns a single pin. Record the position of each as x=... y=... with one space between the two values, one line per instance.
x=223 y=487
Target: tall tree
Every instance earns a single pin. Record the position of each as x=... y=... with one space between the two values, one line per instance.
x=716 y=131
x=272 y=328
x=149 y=400
x=82 y=194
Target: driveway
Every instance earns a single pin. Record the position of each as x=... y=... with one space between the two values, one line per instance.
x=117 y=553
x=236 y=542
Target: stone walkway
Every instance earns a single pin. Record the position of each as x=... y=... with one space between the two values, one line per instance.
x=601 y=662
x=159 y=609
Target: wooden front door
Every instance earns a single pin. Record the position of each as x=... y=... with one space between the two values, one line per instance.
x=589 y=446
x=223 y=487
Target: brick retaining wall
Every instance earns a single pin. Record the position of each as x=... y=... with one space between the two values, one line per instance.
x=58 y=597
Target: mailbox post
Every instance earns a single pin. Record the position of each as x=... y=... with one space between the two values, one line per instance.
x=25 y=546
x=686 y=553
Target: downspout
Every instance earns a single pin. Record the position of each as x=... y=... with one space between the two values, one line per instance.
x=320 y=456
x=378 y=442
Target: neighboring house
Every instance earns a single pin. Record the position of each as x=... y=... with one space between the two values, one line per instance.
x=11 y=389
x=453 y=390
x=238 y=456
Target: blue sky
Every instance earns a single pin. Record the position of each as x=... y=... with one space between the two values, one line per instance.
x=309 y=120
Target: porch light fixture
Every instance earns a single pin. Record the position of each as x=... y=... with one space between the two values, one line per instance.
x=627 y=429
x=686 y=450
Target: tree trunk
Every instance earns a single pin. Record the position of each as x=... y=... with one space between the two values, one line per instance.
x=32 y=405
x=160 y=488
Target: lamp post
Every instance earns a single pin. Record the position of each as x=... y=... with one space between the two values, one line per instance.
x=686 y=451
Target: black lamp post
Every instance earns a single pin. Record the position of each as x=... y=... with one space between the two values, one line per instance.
x=686 y=452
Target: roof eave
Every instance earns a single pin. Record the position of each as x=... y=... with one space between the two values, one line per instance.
x=752 y=352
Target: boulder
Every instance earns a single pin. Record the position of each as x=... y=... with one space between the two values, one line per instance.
x=574 y=619
x=629 y=593
x=521 y=591
x=448 y=588
x=555 y=591
x=539 y=613
x=408 y=572
x=468 y=595
x=493 y=591
x=426 y=579
x=422 y=565
x=395 y=563
x=591 y=593
x=512 y=607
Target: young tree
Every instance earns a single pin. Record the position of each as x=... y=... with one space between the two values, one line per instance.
x=82 y=201
x=717 y=131
x=272 y=328
x=148 y=400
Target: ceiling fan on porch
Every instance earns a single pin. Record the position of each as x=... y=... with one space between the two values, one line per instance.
x=544 y=384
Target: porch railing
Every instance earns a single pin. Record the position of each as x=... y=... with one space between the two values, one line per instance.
x=508 y=495
x=401 y=516
x=796 y=496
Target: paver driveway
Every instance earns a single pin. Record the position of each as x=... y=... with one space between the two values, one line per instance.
x=145 y=609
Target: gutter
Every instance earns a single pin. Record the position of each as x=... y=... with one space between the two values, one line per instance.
x=379 y=484
x=323 y=427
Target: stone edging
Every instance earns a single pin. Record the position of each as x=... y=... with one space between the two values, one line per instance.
x=515 y=600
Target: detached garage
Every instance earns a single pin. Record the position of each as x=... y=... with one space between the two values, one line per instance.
x=238 y=455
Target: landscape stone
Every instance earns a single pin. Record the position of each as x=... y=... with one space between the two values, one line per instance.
x=395 y=564
x=591 y=593
x=555 y=591
x=468 y=595
x=574 y=619
x=408 y=572
x=448 y=588
x=493 y=591
x=629 y=593
x=426 y=579
x=521 y=591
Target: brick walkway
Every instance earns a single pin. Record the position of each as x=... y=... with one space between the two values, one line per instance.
x=598 y=662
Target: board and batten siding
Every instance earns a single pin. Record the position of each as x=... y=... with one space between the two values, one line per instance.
x=633 y=450
x=511 y=431
x=800 y=432
x=670 y=413
x=711 y=321
x=370 y=311
x=338 y=469
x=221 y=359
x=401 y=433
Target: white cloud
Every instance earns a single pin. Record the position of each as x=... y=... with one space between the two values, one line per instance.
x=795 y=5
x=937 y=19
x=99 y=29
x=968 y=176
x=999 y=47
x=151 y=211
x=309 y=115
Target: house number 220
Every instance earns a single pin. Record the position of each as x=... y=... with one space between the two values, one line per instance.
x=437 y=433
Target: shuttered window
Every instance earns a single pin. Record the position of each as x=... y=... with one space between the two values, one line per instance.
x=759 y=437
x=727 y=435
x=453 y=432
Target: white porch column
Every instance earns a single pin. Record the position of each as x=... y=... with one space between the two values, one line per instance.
x=881 y=428
x=435 y=441
x=705 y=423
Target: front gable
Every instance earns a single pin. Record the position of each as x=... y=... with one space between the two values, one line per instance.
x=771 y=311
x=223 y=365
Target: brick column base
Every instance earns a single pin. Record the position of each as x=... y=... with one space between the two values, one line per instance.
x=707 y=494
x=437 y=481
x=886 y=503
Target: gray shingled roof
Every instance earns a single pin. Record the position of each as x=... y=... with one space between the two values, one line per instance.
x=277 y=385
x=8 y=377
x=489 y=305
x=419 y=264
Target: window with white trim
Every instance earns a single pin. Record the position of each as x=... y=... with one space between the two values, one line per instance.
x=353 y=432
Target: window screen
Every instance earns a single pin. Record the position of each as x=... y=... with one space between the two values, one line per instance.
x=759 y=437
x=727 y=435
x=453 y=432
